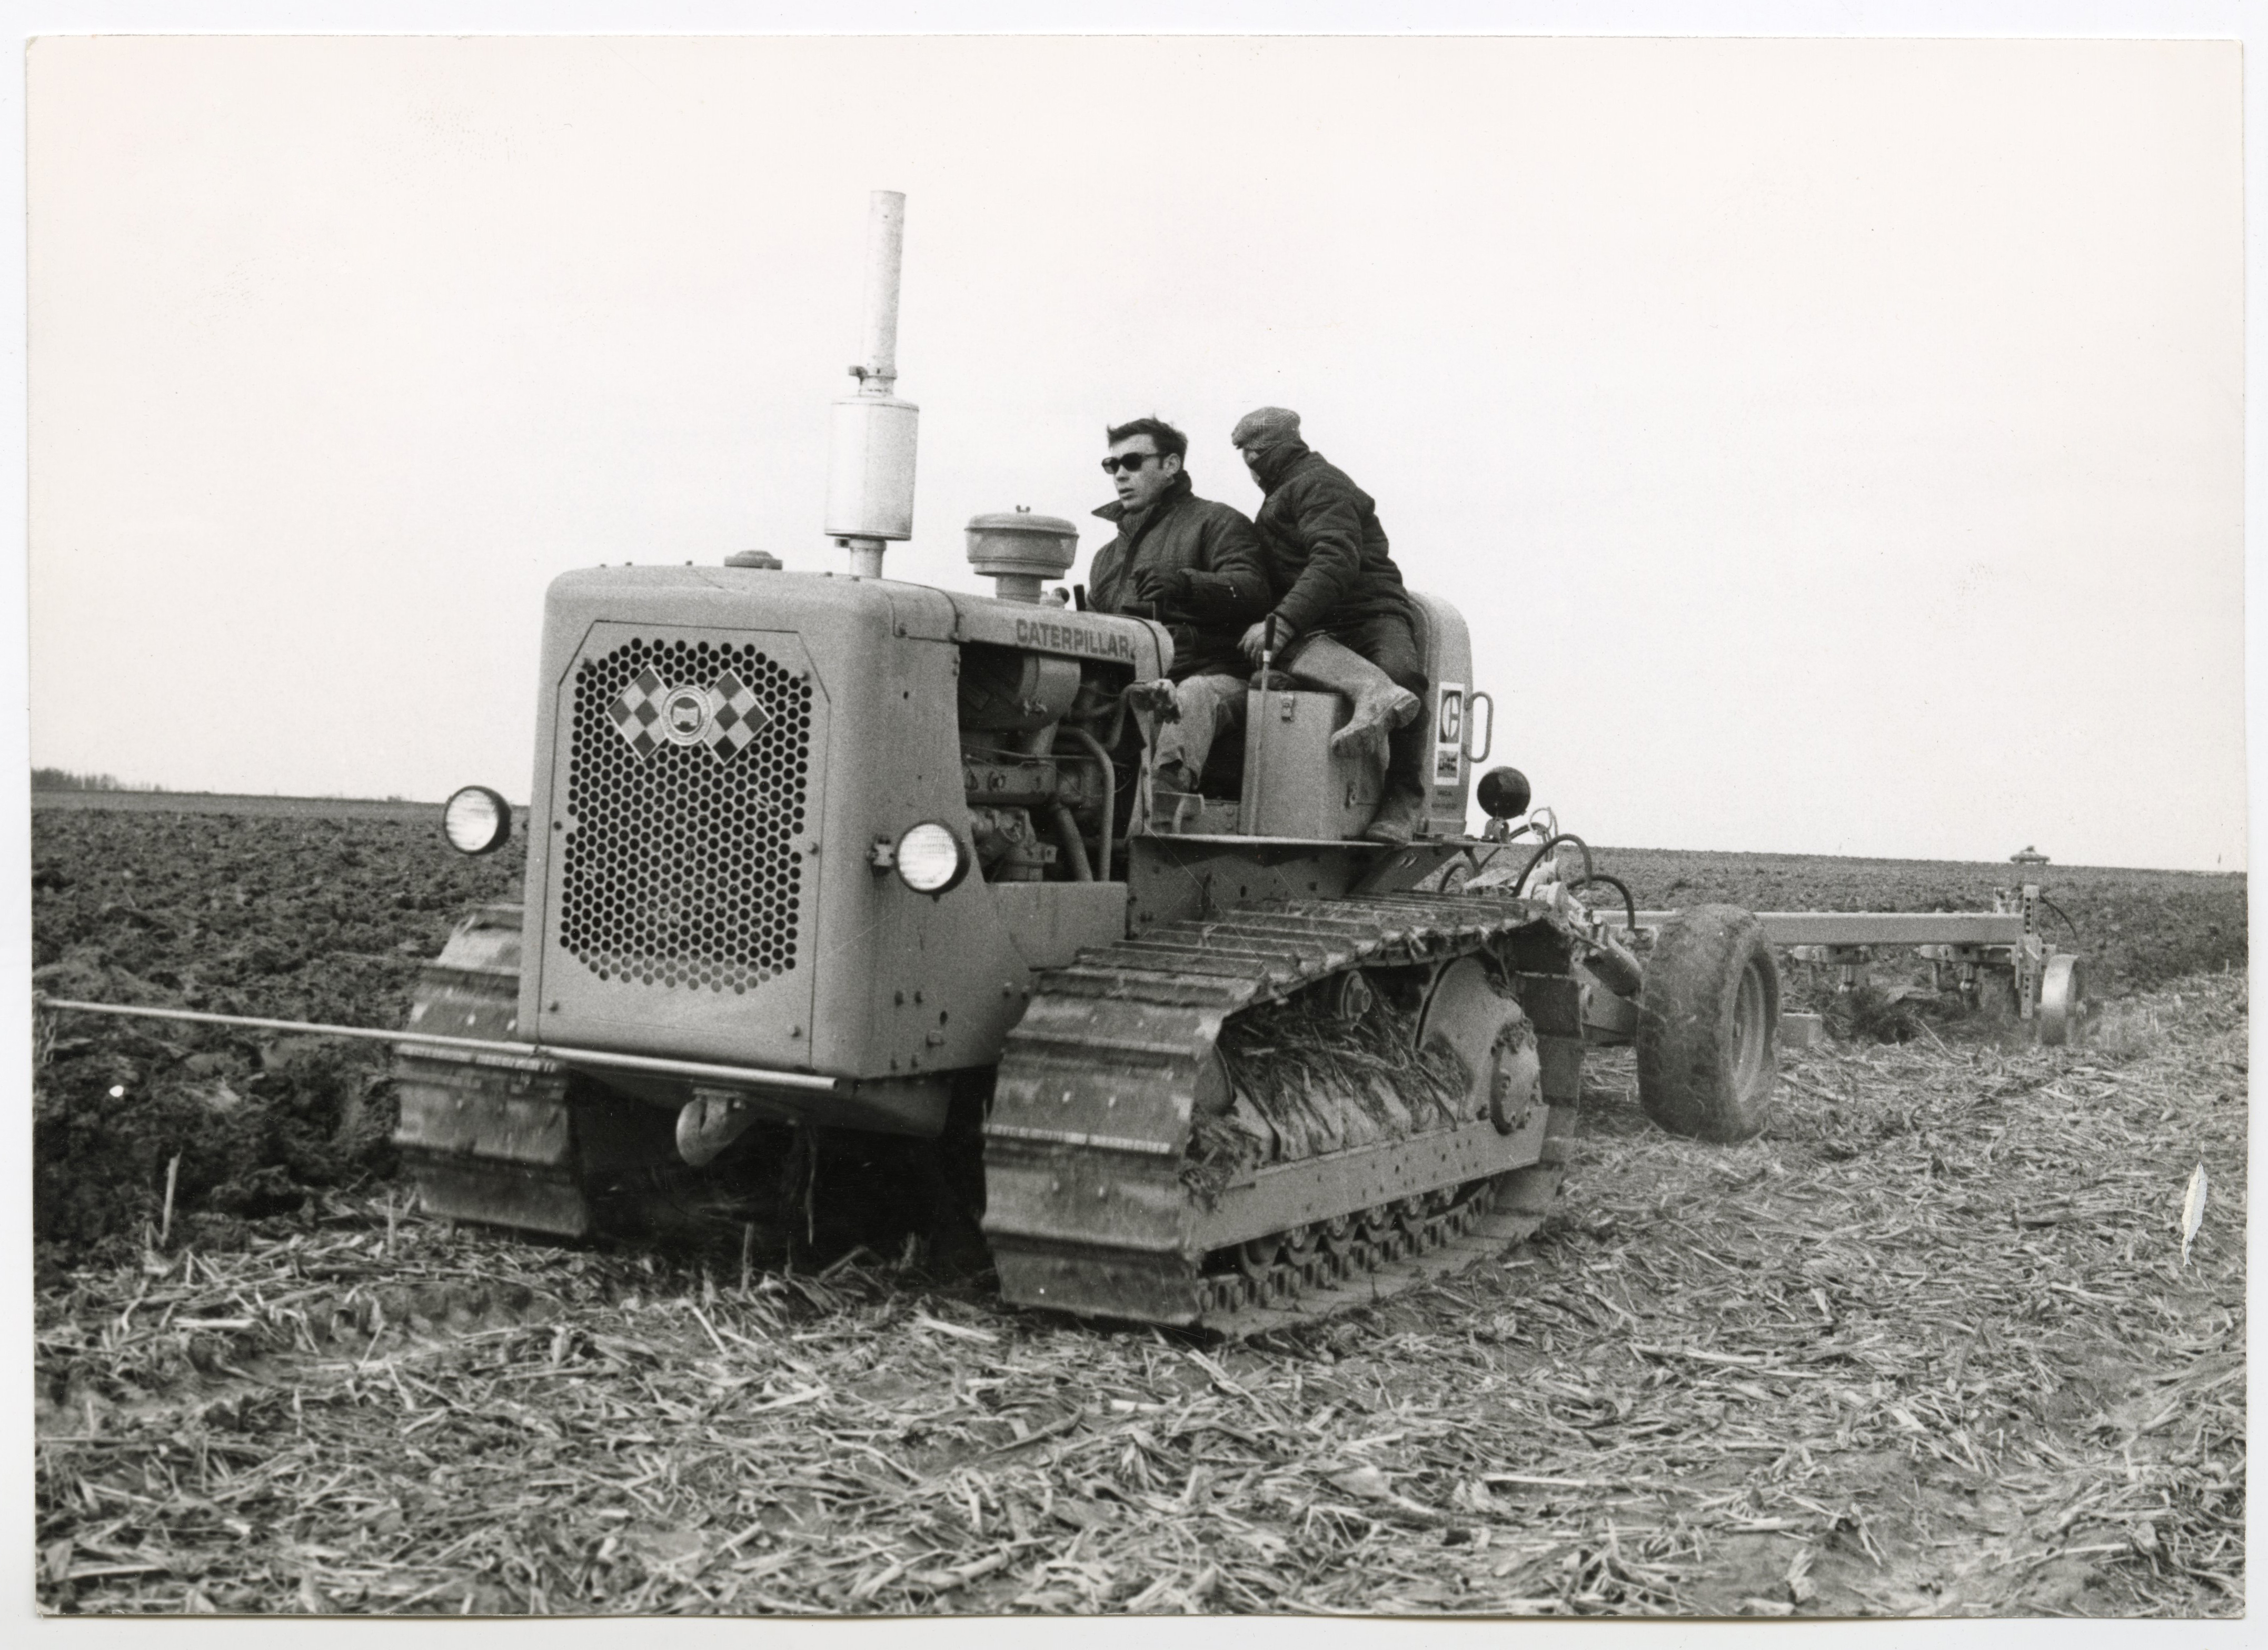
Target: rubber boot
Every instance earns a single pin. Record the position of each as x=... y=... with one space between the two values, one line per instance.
x=1403 y=810
x=1380 y=705
x=1398 y=818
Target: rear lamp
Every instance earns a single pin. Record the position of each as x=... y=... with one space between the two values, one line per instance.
x=476 y=820
x=1503 y=793
x=930 y=859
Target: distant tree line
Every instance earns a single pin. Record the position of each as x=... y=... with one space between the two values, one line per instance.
x=64 y=780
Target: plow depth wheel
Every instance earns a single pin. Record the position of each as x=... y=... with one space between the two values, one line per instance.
x=1706 y=1019
x=2063 y=997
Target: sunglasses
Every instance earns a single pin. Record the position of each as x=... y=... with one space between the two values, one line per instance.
x=1130 y=462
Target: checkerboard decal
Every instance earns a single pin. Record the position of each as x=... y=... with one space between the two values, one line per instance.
x=736 y=716
x=636 y=709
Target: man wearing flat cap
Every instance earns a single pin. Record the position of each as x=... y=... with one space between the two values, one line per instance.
x=1334 y=583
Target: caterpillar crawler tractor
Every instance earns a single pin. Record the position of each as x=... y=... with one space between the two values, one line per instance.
x=833 y=850
x=829 y=850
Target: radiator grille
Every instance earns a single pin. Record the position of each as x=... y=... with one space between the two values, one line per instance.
x=679 y=868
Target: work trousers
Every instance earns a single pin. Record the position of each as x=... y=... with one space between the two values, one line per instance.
x=1210 y=705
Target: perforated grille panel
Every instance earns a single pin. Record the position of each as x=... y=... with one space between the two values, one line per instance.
x=678 y=865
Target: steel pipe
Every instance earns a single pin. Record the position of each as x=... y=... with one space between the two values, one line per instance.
x=1867 y=928
x=1074 y=845
x=1107 y=841
x=802 y=1082
x=886 y=247
x=872 y=434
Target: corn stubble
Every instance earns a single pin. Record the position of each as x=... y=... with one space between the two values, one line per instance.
x=1926 y=1346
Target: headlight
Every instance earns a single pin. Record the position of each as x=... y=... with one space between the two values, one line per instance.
x=1504 y=793
x=476 y=820
x=930 y=859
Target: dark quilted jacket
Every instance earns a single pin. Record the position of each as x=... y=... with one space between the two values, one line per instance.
x=1326 y=554
x=1228 y=583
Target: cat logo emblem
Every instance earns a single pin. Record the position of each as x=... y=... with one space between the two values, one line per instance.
x=725 y=716
x=684 y=713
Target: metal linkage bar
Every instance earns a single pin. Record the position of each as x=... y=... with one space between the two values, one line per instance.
x=752 y=1076
x=1866 y=928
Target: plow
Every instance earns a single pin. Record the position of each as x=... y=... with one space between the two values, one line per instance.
x=825 y=853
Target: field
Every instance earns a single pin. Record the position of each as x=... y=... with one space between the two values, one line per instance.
x=1930 y=1346
x=252 y=807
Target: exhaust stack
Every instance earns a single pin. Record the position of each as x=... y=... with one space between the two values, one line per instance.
x=869 y=460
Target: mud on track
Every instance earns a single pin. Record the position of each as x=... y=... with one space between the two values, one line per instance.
x=1928 y=1345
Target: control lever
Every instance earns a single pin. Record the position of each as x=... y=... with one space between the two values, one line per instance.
x=1260 y=734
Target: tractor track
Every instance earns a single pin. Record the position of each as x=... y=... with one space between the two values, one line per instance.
x=1090 y=1206
x=1091 y=1202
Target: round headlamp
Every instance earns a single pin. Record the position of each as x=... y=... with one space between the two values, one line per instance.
x=476 y=820
x=1504 y=793
x=930 y=859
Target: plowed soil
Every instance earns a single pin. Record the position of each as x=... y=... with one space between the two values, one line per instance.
x=286 y=917
x=1932 y=1344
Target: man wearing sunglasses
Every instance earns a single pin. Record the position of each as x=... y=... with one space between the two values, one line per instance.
x=1342 y=613
x=1191 y=563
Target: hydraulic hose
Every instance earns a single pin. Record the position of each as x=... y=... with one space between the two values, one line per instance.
x=1620 y=887
x=2067 y=923
x=1589 y=875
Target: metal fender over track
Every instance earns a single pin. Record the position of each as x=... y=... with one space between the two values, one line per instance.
x=1244 y=1122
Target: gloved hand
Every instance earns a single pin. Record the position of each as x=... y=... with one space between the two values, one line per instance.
x=1167 y=586
x=1254 y=640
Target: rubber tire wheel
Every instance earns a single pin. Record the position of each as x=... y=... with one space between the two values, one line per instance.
x=1707 y=1022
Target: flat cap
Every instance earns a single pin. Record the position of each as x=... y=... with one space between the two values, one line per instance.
x=1266 y=427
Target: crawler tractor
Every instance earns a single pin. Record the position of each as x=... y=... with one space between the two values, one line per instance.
x=833 y=850
x=829 y=850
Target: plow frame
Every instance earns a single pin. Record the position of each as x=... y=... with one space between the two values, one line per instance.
x=2048 y=983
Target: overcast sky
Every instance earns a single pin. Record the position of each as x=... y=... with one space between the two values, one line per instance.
x=1836 y=446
